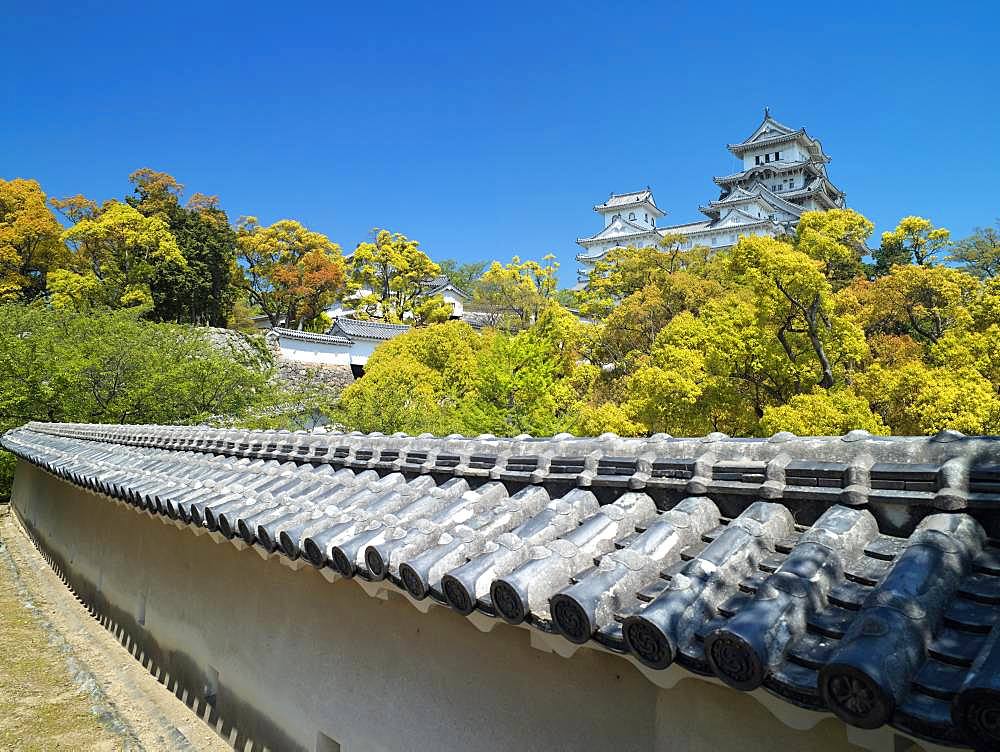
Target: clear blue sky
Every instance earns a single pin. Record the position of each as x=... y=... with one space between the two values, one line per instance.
x=485 y=130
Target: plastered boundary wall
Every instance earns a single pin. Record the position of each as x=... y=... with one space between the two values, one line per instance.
x=291 y=661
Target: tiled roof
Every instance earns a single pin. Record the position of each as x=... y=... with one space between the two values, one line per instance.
x=856 y=574
x=441 y=282
x=621 y=200
x=367 y=329
x=329 y=339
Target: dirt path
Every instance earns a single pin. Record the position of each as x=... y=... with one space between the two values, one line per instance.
x=65 y=682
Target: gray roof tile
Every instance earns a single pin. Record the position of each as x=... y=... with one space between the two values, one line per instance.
x=778 y=562
x=353 y=328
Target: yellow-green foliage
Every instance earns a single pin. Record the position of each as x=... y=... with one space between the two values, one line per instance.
x=115 y=253
x=796 y=334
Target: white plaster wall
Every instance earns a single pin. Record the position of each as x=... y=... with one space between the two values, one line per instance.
x=315 y=352
x=327 y=353
x=456 y=303
x=310 y=656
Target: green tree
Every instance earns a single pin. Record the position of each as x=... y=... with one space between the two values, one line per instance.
x=628 y=332
x=627 y=270
x=917 y=398
x=116 y=251
x=414 y=382
x=111 y=366
x=837 y=239
x=797 y=303
x=979 y=253
x=463 y=276
x=922 y=301
x=823 y=413
x=203 y=290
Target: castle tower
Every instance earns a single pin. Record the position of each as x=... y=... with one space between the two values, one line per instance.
x=784 y=174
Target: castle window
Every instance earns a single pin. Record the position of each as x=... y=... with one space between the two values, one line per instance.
x=631 y=215
x=757 y=159
x=777 y=156
x=767 y=157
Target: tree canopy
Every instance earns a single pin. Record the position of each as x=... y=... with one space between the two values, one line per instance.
x=30 y=242
x=795 y=333
x=388 y=279
x=290 y=272
x=111 y=366
x=811 y=332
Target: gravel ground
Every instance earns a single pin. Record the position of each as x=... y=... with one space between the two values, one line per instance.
x=65 y=682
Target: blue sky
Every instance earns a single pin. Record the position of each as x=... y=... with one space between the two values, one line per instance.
x=485 y=130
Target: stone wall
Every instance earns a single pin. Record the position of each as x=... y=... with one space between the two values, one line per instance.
x=262 y=349
x=296 y=374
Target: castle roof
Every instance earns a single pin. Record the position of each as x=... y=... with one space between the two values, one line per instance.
x=757 y=193
x=772 y=133
x=618 y=229
x=780 y=167
x=626 y=200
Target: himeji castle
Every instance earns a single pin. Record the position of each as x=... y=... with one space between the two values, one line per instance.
x=783 y=175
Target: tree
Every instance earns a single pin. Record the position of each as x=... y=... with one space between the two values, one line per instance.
x=203 y=290
x=388 y=277
x=626 y=270
x=629 y=330
x=414 y=382
x=914 y=241
x=917 y=398
x=837 y=239
x=980 y=252
x=115 y=253
x=291 y=273
x=798 y=301
x=513 y=295
x=715 y=371
x=463 y=276
x=112 y=366
x=922 y=301
x=30 y=244
x=823 y=413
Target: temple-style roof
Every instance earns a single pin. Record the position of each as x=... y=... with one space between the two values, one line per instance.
x=857 y=575
x=358 y=329
x=627 y=200
x=779 y=167
x=618 y=228
x=442 y=283
x=683 y=229
x=759 y=193
x=323 y=339
x=770 y=132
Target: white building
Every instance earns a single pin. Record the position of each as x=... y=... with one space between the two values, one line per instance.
x=783 y=175
x=349 y=342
